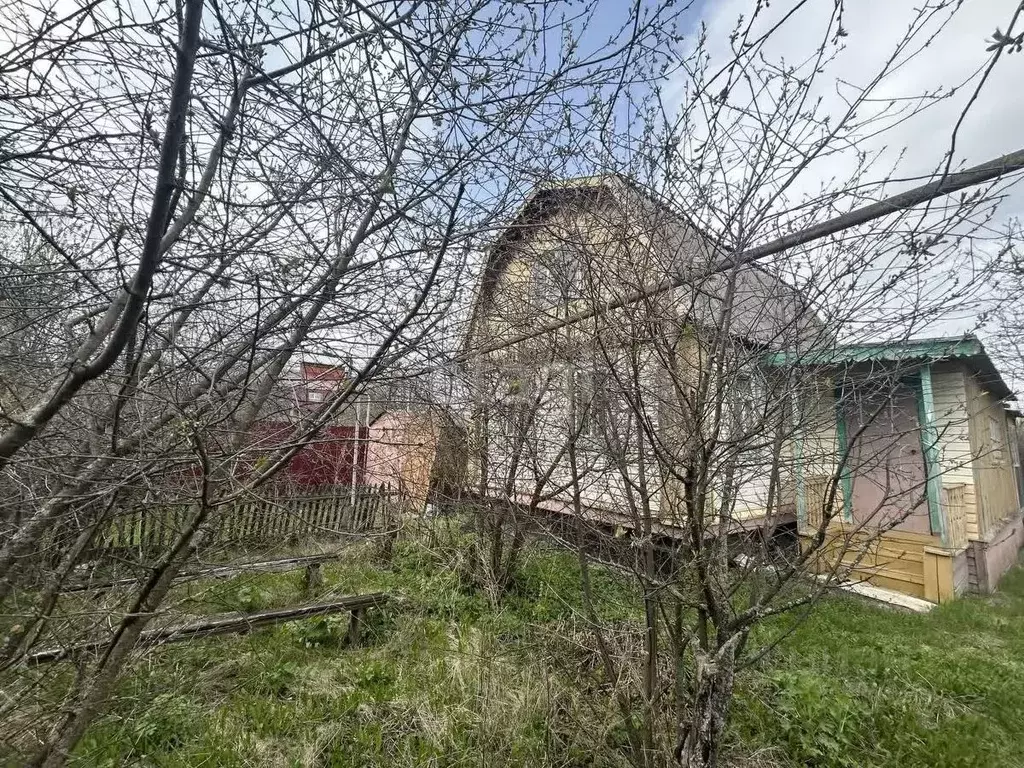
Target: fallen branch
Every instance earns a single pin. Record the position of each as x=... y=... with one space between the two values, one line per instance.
x=222 y=624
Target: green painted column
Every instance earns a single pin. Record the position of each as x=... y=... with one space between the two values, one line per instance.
x=845 y=477
x=798 y=457
x=930 y=449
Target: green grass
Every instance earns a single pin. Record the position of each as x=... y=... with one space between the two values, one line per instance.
x=440 y=679
x=858 y=685
x=443 y=679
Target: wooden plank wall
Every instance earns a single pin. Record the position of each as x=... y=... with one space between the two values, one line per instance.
x=819 y=448
x=955 y=507
x=949 y=389
x=961 y=572
x=974 y=577
x=996 y=496
x=816 y=491
x=893 y=560
x=989 y=559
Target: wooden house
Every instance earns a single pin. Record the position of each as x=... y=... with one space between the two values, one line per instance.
x=335 y=457
x=922 y=490
x=565 y=411
x=898 y=455
x=418 y=454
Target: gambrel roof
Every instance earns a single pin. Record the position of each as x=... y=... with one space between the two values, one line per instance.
x=765 y=307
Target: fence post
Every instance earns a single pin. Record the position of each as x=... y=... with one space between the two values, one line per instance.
x=324 y=509
x=338 y=511
x=314 y=578
x=353 y=627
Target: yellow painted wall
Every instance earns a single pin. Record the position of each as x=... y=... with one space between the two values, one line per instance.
x=899 y=560
x=401 y=455
x=996 y=491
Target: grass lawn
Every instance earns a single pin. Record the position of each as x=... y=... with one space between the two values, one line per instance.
x=858 y=685
x=442 y=679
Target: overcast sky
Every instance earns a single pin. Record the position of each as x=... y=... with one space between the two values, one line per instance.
x=874 y=27
x=953 y=57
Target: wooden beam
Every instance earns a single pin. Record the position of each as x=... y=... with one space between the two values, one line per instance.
x=220 y=624
x=846 y=475
x=798 y=457
x=938 y=575
x=353 y=627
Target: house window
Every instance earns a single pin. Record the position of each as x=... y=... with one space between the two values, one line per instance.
x=556 y=277
x=522 y=397
x=995 y=439
x=750 y=398
x=316 y=395
x=582 y=401
x=600 y=409
x=545 y=288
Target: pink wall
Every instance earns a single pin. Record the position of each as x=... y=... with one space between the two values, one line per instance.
x=400 y=454
x=887 y=460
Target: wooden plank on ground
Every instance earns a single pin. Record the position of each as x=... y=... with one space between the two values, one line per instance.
x=220 y=624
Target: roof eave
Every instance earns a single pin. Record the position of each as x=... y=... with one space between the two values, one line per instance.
x=966 y=349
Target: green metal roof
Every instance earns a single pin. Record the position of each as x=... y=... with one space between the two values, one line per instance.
x=966 y=348
x=893 y=351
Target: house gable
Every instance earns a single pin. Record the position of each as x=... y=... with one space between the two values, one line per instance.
x=586 y=242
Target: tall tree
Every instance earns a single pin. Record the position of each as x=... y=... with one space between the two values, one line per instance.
x=639 y=353
x=220 y=187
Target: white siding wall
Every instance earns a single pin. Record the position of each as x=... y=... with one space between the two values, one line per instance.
x=752 y=491
x=951 y=421
x=818 y=436
x=652 y=246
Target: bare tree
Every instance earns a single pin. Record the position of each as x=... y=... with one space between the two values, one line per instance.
x=217 y=190
x=693 y=331
x=208 y=192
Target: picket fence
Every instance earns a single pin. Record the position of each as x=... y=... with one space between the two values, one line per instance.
x=275 y=515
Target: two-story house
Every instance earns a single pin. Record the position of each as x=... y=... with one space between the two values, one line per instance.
x=594 y=393
x=625 y=370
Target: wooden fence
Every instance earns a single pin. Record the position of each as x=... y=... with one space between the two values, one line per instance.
x=274 y=515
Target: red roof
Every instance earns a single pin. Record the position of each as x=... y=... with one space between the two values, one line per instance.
x=322 y=372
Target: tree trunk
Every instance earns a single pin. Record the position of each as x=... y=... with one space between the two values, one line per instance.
x=715 y=678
